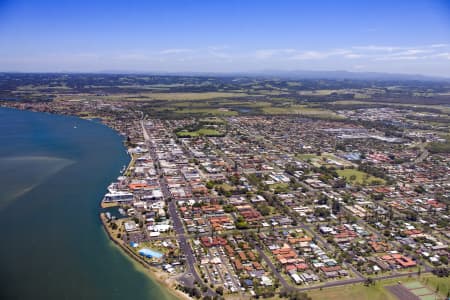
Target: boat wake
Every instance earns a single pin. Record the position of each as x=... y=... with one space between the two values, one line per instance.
x=21 y=174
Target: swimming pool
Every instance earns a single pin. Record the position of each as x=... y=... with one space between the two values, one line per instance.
x=150 y=253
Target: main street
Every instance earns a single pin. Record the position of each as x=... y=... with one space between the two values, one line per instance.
x=185 y=248
x=191 y=260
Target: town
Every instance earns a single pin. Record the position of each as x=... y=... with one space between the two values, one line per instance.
x=225 y=150
x=255 y=205
x=269 y=205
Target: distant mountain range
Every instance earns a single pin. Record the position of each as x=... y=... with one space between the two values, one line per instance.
x=351 y=75
x=299 y=74
x=293 y=75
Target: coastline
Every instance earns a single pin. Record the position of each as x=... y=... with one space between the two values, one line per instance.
x=153 y=273
x=157 y=276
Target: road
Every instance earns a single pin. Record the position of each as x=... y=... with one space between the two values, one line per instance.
x=185 y=247
x=230 y=272
x=274 y=270
x=316 y=237
x=355 y=280
x=191 y=260
x=424 y=153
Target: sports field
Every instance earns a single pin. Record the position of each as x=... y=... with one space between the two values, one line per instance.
x=413 y=290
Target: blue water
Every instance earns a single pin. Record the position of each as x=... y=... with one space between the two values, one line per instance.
x=52 y=178
x=150 y=253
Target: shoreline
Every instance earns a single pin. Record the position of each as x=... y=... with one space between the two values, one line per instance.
x=155 y=275
x=152 y=273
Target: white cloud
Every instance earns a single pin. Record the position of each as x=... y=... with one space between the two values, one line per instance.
x=377 y=48
x=393 y=53
x=176 y=51
x=315 y=55
x=294 y=54
x=398 y=57
x=353 y=55
x=306 y=55
x=426 y=59
x=132 y=56
x=269 y=53
x=358 y=67
x=441 y=55
x=439 y=45
x=218 y=53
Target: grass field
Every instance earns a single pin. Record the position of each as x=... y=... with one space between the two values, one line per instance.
x=194 y=104
x=319 y=92
x=314 y=159
x=360 y=177
x=337 y=160
x=149 y=96
x=306 y=156
x=202 y=131
x=213 y=120
x=302 y=110
x=378 y=291
x=250 y=104
x=225 y=187
x=280 y=185
x=207 y=111
x=324 y=159
x=433 y=282
x=357 y=291
x=194 y=96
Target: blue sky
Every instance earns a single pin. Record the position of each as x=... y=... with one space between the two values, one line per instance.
x=402 y=36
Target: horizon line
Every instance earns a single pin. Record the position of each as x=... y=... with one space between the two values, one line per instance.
x=273 y=72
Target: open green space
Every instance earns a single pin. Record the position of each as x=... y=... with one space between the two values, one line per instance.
x=428 y=297
x=212 y=120
x=441 y=284
x=413 y=285
x=225 y=187
x=358 y=177
x=337 y=160
x=307 y=156
x=378 y=291
x=207 y=111
x=356 y=291
x=200 y=132
x=421 y=291
x=302 y=110
x=193 y=96
x=280 y=186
